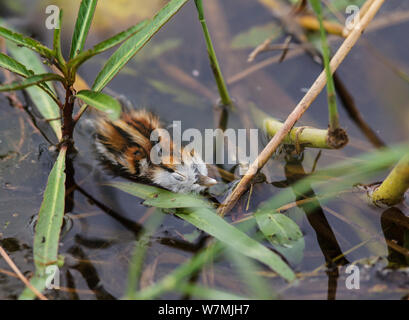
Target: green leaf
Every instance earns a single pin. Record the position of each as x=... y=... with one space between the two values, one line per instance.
x=105 y=45
x=278 y=228
x=57 y=43
x=254 y=36
x=174 y=279
x=283 y=233
x=44 y=103
x=102 y=102
x=84 y=19
x=206 y=219
x=130 y=47
x=178 y=94
x=155 y=49
x=341 y=5
x=26 y=42
x=12 y=65
x=160 y=198
x=141 y=245
x=48 y=227
x=31 y=81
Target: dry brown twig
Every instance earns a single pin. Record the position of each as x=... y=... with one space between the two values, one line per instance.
x=10 y=262
x=299 y=110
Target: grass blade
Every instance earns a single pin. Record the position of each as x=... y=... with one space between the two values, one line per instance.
x=105 y=45
x=48 y=227
x=30 y=81
x=347 y=174
x=84 y=19
x=28 y=42
x=102 y=102
x=130 y=47
x=173 y=280
x=135 y=266
x=206 y=219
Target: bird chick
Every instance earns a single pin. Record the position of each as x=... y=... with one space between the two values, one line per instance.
x=125 y=145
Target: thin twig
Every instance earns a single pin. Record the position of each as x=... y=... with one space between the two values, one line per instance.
x=382 y=22
x=299 y=110
x=20 y=275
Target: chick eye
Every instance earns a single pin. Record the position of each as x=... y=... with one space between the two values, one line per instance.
x=178 y=176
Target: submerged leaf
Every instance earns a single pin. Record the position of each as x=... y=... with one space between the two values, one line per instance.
x=256 y=35
x=179 y=94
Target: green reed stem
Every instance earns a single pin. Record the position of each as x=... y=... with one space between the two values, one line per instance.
x=393 y=188
x=214 y=64
x=332 y=104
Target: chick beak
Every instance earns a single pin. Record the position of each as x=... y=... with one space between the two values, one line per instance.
x=206 y=181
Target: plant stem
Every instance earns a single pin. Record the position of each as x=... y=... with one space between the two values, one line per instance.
x=299 y=110
x=332 y=104
x=299 y=136
x=68 y=121
x=214 y=64
x=393 y=188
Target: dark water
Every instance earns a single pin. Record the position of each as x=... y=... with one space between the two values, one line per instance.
x=104 y=223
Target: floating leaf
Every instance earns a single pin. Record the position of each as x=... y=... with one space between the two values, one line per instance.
x=84 y=19
x=102 y=102
x=283 y=233
x=278 y=228
x=48 y=227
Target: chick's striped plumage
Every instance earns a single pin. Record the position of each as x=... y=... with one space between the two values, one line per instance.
x=125 y=146
x=124 y=143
